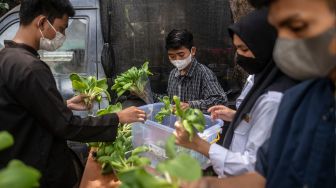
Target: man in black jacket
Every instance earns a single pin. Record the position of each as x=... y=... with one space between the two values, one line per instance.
x=32 y=109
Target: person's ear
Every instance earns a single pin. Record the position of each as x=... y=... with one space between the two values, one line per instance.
x=193 y=51
x=41 y=22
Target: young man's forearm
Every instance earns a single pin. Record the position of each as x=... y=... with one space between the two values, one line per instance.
x=249 y=180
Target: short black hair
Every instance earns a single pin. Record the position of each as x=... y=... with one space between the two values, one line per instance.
x=179 y=38
x=52 y=9
x=266 y=3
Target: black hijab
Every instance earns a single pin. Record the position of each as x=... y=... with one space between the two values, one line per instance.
x=259 y=36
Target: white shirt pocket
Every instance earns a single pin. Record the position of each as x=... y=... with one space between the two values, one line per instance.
x=240 y=137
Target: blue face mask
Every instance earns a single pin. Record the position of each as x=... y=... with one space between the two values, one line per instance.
x=306 y=58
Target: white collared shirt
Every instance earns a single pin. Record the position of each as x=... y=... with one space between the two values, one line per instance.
x=247 y=87
x=247 y=138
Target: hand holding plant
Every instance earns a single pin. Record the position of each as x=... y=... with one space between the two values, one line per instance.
x=90 y=88
x=78 y=103
x=192 y=119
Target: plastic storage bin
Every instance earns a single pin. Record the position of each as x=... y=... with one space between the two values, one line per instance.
x=154 y=135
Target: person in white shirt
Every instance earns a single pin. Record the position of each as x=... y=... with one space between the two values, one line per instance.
x=251 y=125
x=247 y=87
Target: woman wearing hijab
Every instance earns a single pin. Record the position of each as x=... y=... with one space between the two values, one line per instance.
x=254 y=39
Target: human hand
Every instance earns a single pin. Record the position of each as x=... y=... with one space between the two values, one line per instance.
x=184 y=106
x=222 y=112
x=182 y=137
x=197 y=143
x=131 y=115
x=77 y=103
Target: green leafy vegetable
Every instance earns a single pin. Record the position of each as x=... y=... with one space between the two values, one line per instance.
x=191 y=118
x=170 y=147
x=165 y=111
x=16 y=174
x=182 y=167
x=90 y=87
x=6 y=140
x=110 y=109
x=140 y=178
x=170 y=173
x=112 y=155
x=133 y=80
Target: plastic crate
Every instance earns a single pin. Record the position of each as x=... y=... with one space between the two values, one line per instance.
x=154 y=135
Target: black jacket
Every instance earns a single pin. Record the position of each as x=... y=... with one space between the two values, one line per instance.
x=33 y=111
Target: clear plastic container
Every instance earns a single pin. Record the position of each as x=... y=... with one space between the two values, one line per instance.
x=154 y=135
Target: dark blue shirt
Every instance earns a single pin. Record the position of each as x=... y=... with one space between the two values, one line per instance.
x=301 y=150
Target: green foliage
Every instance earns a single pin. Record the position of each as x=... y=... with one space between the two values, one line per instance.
x=16 y=174
x=165 y=111
x=3 y=6
x=182 y=167
x=170 y=173
x=90 y=87
x=191 y=118
x=140 y=178
x=170 y=147
x=110 y=109
x=133 y=80
x=6 y=140
x=112 y=155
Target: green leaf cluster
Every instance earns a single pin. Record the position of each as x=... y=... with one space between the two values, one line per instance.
x=165 y=111
x=90 y=87
x=110 y=109
x=170 y=173
x=16 y=174
x=133 y=80
x=4 y=6
x=6 y=140
x=112 y=155
x=192 y=119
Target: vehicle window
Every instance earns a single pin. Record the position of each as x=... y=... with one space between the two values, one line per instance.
x=71 y=57
x=9 y=33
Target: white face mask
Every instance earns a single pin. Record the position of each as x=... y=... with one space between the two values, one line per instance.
x=54 y=44
x=182 y=64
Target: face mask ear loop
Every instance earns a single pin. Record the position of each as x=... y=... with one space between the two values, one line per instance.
x=52 y=26
x=40 y=28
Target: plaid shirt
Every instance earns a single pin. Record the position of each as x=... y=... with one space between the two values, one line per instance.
x=199 y=87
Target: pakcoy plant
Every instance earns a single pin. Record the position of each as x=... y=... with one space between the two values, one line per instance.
x=16 y=174
x=135 y=81
x=90 y=87
x=165 y=111
x=169 y=173
x=118 y=155
x=191 y=119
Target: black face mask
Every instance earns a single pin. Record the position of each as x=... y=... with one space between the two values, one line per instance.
x=250 y=65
